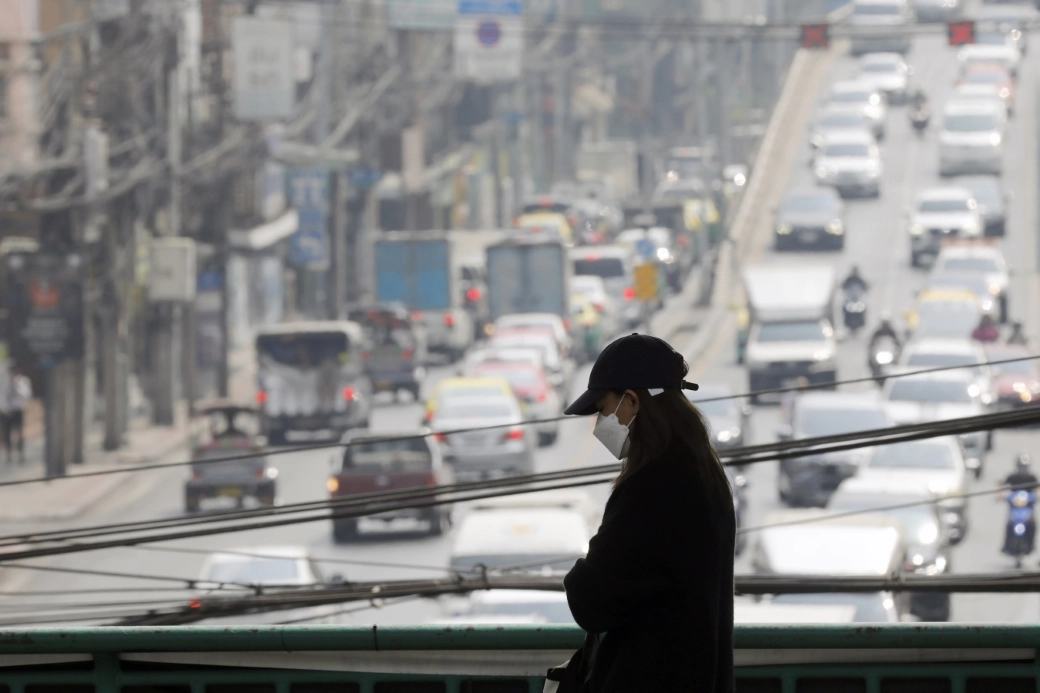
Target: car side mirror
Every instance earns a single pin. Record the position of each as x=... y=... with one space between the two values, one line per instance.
x=784 y=431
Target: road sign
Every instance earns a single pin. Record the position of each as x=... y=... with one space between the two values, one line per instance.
x=309 y=194
x=264 y=79
x=489 y=40
x=44 y=301
x=646 y=281
x=960 y=33
x=646 y=248
x=815 y=36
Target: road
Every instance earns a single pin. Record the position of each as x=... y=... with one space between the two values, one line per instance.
x=876 y=242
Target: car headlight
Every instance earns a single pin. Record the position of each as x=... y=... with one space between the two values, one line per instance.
x=1004 y=92
x=822 y=172
x=663 y=255
x=995 y=139
x=835 y=227
x=971 y=228
x=994 y=289
x=916 y=229
x=784 y=229
x=928 y=534
x=726 y=436
x=821 y=355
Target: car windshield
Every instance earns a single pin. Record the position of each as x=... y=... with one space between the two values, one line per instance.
x=847 y=149
x=521 y=378
x=837 y=120
x=876 y=10
x=253 y=570
x=827 y=421
x=602 y=267
x=882 y=68
x=926 y=360
x=531 y=562
x=985 y=77
x=870 y=608
x=930 y=391
x=971 y=122
x=303 y=349
x=485 y=409
x=407 y=454
x=852 y=97
x=970 y=264
x=945 y=205
x=913 y=455
x=791 y=331
x=918 y=520
x=942 y=325
x=809 y=203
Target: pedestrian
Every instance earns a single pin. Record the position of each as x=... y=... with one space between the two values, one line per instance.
x=16 y=399
x=655 y=591
x=1017 y=336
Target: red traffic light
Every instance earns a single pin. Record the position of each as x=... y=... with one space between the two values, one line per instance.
x=960 y=33
x=815 y=36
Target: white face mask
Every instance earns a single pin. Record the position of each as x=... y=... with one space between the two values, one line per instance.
x=613 y=434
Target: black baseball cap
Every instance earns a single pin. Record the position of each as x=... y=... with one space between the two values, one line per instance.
x=629 y=363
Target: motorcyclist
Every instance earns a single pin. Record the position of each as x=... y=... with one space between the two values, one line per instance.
x=1017 y=336
x=854 y=281
x=987 y=330
x=885 y=330
x=918 y=99
x=1022 y=477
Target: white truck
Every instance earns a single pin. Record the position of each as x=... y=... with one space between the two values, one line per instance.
x=613 y=163
x=791 y=333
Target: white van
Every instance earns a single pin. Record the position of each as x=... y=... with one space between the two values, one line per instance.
x=881 y=26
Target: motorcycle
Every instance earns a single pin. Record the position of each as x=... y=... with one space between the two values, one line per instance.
x=882 y=355
x=1021 y=528
x=854 y=310
x=920 y=116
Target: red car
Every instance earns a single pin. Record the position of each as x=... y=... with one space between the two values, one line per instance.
x=1017 y=384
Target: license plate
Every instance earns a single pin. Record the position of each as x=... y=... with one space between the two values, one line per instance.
x=230 y=492
x=809 y=236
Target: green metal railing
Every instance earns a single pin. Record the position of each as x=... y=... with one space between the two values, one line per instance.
x=432 y=659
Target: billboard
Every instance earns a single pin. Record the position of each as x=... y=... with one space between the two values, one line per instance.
x=489 y=40
x=265 y=62
x=43 y=297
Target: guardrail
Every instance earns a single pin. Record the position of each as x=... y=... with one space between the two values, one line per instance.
x=505 y=659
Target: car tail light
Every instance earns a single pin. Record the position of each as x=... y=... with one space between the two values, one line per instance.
x=431 y=480
x=629 y=293
x=261 y=397
x=408 y=353
x=261 y=473
x=195 y=604
x=567 y=325
x=542 y=396
x=514 y=434
x=449 y=320
x=364 y=355
x=473 y=294
x=349 y=393
x=428 y=417
x=332 y=484
x=417 y=316
x=440 y=437
x=598 y=307
x=683 y=241
x=516 y=221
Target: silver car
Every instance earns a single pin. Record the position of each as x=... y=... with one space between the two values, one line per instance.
x=837 y=117
x=939 y=215
x=867 y=97
x=972 y=138
x=888 y=73
x=505 y=449
x=850 y=163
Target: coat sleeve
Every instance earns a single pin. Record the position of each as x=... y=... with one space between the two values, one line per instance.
x=624 y=568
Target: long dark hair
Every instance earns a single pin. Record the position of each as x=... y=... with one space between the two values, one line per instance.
x=669 y=421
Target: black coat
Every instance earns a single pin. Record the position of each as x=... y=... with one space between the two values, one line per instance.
x=658 y=581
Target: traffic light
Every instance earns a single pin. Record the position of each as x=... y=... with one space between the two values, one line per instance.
x=960 y=33
x=815 y=36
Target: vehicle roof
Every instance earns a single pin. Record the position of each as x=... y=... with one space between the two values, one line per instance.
x=829 y=193
x=1011 y=350
x=522 y=530
x=589 y=279
x=529 y=354
x=285 y=551
x=461 y=381
x=786 y=289
x=973 y=106
x=312 y=326
x=978 y=88
x=938 y=345
x=518 y=597
x=848 y=136
x=969 y=250
x=952 y=375
x=947 y=295
x=355 y=434
x=529 y=318
x=591 y=252
x=816 y=399
x=984 y=50
x=767 y=612
x=879 y=487
x=842 y=108
x=570 y=499
x=863 y=544
x=882 y=58
x=852 y=85
x=945 y=192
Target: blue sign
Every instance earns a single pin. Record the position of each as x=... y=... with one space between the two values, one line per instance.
x=309 y=195
x=646 y=248
x=492 y=7
x=488 y=33
x=363 y=177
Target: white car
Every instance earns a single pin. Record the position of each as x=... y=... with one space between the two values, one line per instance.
x=883 y=24
x=888 y=73
x=986 y=93
x=836 y=118
x=922 y=354
x=941 y=214
x=548 y=321
x=935 y=466
x=867 y=97
x=937 y=10
x=850 y=163
x=1006 y=55
x=972 y=138
x=522 y=540
x=942 y=396
x=983 y=259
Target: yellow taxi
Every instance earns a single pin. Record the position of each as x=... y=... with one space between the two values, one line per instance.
x=550 y=225
x=465 y=385
x=944 y=313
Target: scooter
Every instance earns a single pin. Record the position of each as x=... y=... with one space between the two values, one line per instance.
x=919 y=118
x=854 y=310
x=1021 y=527
x=882 y=355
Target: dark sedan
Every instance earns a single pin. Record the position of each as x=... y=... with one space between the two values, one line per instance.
x=810 y=218
x=991 y=199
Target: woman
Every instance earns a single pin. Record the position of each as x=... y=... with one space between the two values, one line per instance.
x=657 y=582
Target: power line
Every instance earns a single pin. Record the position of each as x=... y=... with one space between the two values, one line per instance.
x=189 y=583
x=473 y=429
